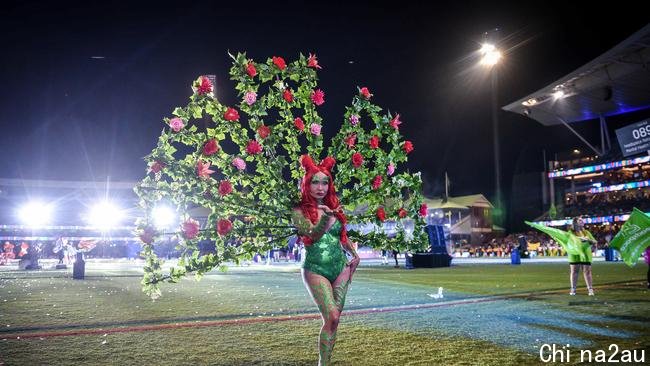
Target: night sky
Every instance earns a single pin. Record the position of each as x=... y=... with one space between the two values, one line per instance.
x=67 y=115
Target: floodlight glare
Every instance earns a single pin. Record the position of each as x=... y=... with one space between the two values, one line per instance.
x=558 y=94
x=163 y=217
x=491 y=58
x=104 y=215
x=487 y=48
x=35 y=214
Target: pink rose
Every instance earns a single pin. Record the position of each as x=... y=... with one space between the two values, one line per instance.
x=176 y=124
x=190 y=228
x=250 y=97
x=351 y=140
x=203 y=169
x=210 y=147
x=147 y=235
x=402 y=213
x=318 y=97
x=315 y=129
x=239 y=163
x=354 y=119
x=313 y=62
x=395 y=122
x=390 y=169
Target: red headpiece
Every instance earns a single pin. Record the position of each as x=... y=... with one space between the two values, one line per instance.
x=308 y=204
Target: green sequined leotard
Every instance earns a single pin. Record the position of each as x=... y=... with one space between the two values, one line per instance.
x=325 y=256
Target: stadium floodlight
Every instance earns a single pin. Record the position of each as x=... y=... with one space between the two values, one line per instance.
x=35 y=214
x=163 y=217
x=491 y=55
x=105 y=215
x=558 y=94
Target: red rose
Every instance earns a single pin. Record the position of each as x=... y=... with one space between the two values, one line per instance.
x=300 y=125
x=225 y=188
x=357 y=159
x=374 y=142
x=423 y=209
x=190 y=229
x=250 y=69
x=351 y=140
x=287 y=95
x=156 y=166
x=313 y=62
x=318 y=97
x=205 y=86
x=365 y=93
x=279 y=62
x=402 y=213
x=253 y=147
x=376 y=183
x=263 y=131
x=231 y=114
x=381 y=214
x=224 y=226
x=210 y=147
x=147 y=234
x=407 y=147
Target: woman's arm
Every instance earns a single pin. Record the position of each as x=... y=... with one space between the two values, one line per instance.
x=305 y=227
x=351 y=247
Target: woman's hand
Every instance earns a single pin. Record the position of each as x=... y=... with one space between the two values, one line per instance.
x=354 y=262
x=328 y=211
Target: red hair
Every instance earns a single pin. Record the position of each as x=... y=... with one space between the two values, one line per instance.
x=308 y=204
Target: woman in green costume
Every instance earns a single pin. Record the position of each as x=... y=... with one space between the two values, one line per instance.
x=577 y=243
x=583 y=259
x=326 y=271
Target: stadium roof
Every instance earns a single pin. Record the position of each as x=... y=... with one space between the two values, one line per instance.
x=616 y=82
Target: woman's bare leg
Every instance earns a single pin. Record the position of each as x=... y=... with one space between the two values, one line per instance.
x=586 y=272
x=340 y=287
x=573 y=277
x=321 y=292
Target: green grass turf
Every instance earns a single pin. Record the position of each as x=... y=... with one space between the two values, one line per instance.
x=501 y=332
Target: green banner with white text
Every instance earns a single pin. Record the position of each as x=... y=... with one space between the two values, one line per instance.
x=633 y=237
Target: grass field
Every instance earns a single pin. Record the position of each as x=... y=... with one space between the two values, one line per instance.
x=491 y=314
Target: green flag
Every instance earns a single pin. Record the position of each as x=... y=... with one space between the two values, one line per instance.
x=581 y=252
x=633 y=237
